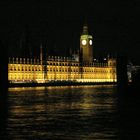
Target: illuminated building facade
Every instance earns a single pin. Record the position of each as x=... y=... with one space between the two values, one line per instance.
x=77 y=68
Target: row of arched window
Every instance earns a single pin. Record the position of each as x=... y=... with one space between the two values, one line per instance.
x=62 y=64
x=24 y=68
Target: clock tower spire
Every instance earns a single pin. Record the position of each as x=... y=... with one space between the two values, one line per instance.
x=85 y=30
x=86 y=46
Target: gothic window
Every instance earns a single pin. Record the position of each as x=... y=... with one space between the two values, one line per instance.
x=39 y=68
x=25 y=68
x=35 y=68
x=11 y=68
x=18 y=68
x=15 y=68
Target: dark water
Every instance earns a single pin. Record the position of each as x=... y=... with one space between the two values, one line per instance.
x=64 y=113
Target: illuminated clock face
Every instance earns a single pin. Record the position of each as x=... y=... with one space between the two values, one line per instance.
x=84 y=42
x=90 y=42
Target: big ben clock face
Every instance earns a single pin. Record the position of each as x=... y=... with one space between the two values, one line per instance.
x=84 y=42
x=90 y=42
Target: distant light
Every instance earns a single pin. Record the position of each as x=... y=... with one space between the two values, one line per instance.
x=94 y=59
x=104 y=58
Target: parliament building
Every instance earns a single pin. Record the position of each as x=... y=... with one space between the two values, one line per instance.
x=81 y=67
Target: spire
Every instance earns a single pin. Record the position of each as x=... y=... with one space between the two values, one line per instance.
x=85 y=29
x=41 y=55
x=70 y=52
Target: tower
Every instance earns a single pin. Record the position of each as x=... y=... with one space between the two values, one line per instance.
x=86 y=46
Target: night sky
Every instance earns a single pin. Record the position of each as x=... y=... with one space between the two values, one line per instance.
x=57 y=25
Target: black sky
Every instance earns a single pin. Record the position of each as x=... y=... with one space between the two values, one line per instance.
x=114 y=25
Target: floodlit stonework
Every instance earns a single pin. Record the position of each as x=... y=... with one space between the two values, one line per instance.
x=78 y=68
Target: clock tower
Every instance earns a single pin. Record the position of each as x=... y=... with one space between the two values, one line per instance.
x=86 y=46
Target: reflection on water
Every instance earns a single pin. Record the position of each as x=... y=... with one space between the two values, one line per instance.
x=67 y=113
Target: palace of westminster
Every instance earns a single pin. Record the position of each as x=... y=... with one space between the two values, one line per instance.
x=80 y=67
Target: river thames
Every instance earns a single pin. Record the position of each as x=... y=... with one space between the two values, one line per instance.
x=66 y=113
